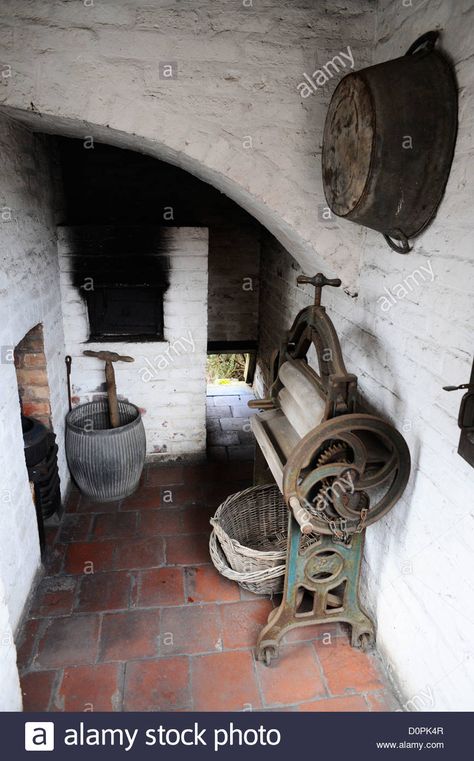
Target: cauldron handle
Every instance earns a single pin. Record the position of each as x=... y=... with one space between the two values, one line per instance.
x=428 y=40
x=404 y=248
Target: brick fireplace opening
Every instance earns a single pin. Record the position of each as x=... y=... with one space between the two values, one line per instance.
x=32 y=376
x=39 y=441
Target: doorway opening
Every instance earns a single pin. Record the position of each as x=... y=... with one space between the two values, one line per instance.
x=230 y=363
x=225 y=369
x=229 y=375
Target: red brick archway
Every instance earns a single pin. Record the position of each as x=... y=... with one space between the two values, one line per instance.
x=32 y=376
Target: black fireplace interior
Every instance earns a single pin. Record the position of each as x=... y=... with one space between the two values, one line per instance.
x=117 y=271
x=116 y=204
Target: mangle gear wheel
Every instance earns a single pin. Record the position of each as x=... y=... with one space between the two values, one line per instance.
x=377 y=472
x=336 y=453
x=333 y=453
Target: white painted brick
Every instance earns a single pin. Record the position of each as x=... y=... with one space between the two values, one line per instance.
x=236 y=82
x=175 y=395
x=10 y=694
x=403 y=358
x=30 y=270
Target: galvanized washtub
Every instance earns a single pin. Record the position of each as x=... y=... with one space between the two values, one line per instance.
x=106 y=463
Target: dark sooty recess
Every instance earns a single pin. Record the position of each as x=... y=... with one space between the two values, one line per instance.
x=119 y=255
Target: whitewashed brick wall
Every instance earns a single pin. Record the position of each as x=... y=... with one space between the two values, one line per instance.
x=417 y=579
x=417 y=575
x=233 y=115
x=419 y=561
x=10 y=695
x=170 y=389
x=29 y=294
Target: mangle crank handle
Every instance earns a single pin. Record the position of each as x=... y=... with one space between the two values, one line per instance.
x=261 y=404
x=318 y=281
x=301 y=515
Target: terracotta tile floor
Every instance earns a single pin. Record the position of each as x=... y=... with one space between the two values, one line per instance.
x=131 y=615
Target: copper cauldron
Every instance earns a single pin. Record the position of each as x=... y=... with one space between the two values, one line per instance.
x=389 y=142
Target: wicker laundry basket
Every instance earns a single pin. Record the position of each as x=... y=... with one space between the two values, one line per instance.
x=248 y=541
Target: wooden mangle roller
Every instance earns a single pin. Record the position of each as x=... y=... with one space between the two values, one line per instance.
x=338 y=468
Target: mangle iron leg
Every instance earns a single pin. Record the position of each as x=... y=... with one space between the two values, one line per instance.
x=330 y=571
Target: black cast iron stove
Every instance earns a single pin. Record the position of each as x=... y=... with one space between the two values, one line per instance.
x=41 y=455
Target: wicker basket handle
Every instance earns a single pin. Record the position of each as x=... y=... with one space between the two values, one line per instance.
x=217 y=555
x=220 y=532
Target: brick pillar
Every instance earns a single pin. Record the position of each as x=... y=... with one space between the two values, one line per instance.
x=31 y=372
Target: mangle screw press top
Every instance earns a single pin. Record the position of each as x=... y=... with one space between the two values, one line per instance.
x=319 y=281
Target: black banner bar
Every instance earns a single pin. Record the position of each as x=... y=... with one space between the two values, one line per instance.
x=275 y=735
